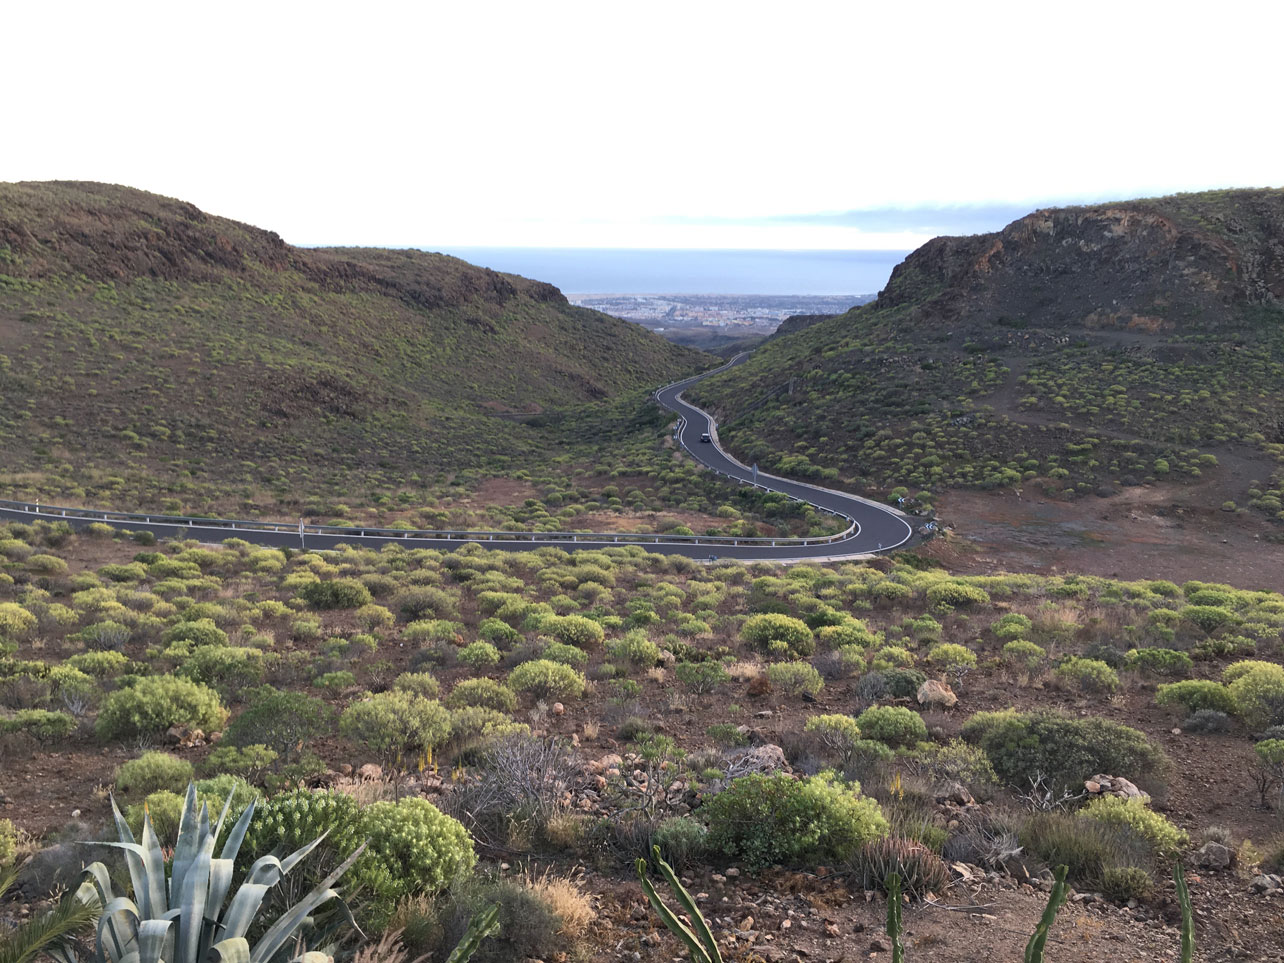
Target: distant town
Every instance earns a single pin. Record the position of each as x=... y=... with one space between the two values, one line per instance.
x=730 y=315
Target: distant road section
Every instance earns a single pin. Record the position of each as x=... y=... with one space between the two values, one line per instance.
x=872 y=527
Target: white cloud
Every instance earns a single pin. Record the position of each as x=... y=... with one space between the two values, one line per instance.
x=439 y=124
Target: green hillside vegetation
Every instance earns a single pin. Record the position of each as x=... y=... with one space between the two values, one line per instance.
x=1079 y=350
x=155 y=356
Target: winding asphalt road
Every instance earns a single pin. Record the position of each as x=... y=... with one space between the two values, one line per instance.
x=873 y=527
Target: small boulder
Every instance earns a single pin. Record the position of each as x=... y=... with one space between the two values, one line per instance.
x=1215 y=856
x=370 y=771
x=937 y=695
x=765 y=759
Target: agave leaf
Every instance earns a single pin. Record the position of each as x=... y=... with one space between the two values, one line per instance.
x=220 y=883
x=185 y=848
x=234 y=950
x=153 y=899
x=134 y=860
x=117 y=928
x=152 y=937
x=266 y=869
x=237 y=835
x=289 y=922
x=292 y=860
x=95 y=875
x=245 y=904
x=192 y=899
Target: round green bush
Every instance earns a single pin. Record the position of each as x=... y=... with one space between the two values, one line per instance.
x=399 y=727
x=770 y=631
x=1210 y=618
x=759 y=820
x=575 y=630
x=795 y=678
x=950 y=655
x=546 y=680
x=1064 y=749
x=420 y=683
x=152 y=772
x=498 y=632
x=479 y=656
x=16 y=623
x=892 y=725
x=1123 y=883
x=634 y=649
x=1258 y=696
x=1025 y=653
x=482 y=693
x=1013 y=625
x=195 y=634
x=957 y=595
x=154 y=704
x=1159 y=661
x=1167 y=840
x=104 y=636
x=1194 y=695
x=1087 y=675
x=338 y=593
x=563 y=653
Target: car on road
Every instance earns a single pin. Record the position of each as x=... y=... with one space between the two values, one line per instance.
x=706 y=438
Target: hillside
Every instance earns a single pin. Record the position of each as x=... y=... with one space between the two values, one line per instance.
x=1084 y=349
x=151 y=353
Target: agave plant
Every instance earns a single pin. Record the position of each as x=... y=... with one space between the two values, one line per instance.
x=186 y=918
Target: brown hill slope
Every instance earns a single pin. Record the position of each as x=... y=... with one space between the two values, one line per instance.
x=1080 y=349
x=150 y=351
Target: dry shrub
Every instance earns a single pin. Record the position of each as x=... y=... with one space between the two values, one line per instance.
x=565 y=898
x=744 y=671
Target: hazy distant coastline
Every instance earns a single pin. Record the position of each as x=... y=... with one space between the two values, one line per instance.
x=620 y=271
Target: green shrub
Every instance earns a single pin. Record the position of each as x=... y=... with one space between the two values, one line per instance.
x=701 y=677
x=563 y=653
x=230 y=669
x=1194 y=695
x=104 y=636
x=476 y=727
x=902 y=683
x=152 y=772
x=195 y=634
x=851 y=633
x=893 y=657
x=1087 y=675
x=249 y=762
x=1166 y=839
x=483 y=693
x=1024 y=653
x=950 y=655
x=575 y=630
x=102 y=665
x=837 y=732
x=498 y=632
x=682 y=841
x=156 y=703
x=1064 y=749
x=1013 y=626
x=431 y=630
x=285 y=722
x=546 y=680
x=400 y=728
x=40 y=724
x=16 y=623
x=634 y=649
x=8 y=844
x=728 y=735
x=1258 y=696
x=769 y=632
x=420 y=683
x=919 y=869
x=1210 y=618
x=892 y=725
x=1206 y=721
x=957 y=595
x=479 y=656
x=1123 y=883
x=761 y=820
x=1160 y=661
x=1088 y=847
x=795 y=678
x=335 y=593
x=426 y=601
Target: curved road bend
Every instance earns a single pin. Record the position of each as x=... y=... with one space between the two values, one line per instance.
x=875 y=527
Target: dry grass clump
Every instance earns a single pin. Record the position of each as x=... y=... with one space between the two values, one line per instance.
x=566 y=899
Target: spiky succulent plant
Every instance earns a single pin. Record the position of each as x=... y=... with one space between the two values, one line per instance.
x=187 y=917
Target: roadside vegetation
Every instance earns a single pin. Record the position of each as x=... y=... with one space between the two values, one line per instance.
x=485 y=722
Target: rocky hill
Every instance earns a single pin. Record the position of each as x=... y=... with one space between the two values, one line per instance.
x=1083 y=349
x=149 y=350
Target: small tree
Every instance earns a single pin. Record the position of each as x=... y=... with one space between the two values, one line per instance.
x=1269 y=771
x=398 y=727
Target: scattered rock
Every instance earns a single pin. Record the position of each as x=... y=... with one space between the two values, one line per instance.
x=1266 y=883
x=558 y=709
x=1215 y=856
x=1113 y=786
x=370 y=771
x=767 y=758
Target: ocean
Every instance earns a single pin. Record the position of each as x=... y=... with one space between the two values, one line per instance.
x=618 y=271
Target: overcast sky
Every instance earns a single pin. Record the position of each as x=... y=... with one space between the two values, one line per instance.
x=687 y=124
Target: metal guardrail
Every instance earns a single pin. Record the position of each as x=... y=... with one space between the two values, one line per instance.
x=56 y=512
